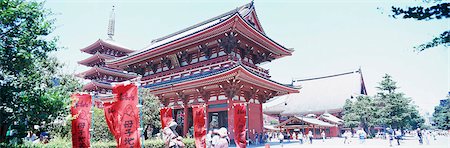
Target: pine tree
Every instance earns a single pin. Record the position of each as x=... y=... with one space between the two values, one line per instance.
x=441 y=115
x=350 y=118
x=393 y=108
x=439 y=10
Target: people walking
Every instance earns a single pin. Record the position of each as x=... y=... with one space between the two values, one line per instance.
x=294 y=136
x=347 y=136
x=390 y=135
x=287 y=136
x=223 y=141
x=261 y=138
x=256 y=139
x=398 y=136
x=300 y=137
x=362 y=135
x=281 y=138
x=323 y=136
x=419 y=134
x=310 y=137
x=427 y=136
x=171 y=137
x=209 y=139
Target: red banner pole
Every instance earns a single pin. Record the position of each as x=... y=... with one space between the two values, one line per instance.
x=91 y=130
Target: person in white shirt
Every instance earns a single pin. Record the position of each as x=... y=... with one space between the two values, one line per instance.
x=310 y=137
x=362 y=135
x=209 y=139
x=323 y=136
x=281 y=138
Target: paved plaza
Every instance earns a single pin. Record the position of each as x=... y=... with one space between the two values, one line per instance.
x=409 y=142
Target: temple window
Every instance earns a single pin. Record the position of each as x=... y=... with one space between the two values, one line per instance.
x=183 y=63
x=203 y=58
x=214 y=55
x=221 y=53
x=194 y=61
x=222 y=97
x=196 y=72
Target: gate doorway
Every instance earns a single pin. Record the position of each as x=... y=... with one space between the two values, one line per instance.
x=217 y=120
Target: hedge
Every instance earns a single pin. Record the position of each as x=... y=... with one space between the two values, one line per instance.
x=66 y=143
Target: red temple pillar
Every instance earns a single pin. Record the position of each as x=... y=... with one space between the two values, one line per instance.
x=314 y=131
x=230 y=118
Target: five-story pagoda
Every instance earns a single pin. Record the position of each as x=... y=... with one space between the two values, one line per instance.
x=100 y=75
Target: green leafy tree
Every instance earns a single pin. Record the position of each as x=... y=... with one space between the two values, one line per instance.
x=150 y=111
x=359 y=113
x=57 y=95
x=101 y=130
x=441 y=115
x=393 y=108
x=439 y=10
x=32 y=91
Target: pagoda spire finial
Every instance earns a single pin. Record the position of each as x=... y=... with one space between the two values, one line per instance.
x=111 y=24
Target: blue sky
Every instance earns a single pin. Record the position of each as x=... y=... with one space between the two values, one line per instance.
x=328 y=37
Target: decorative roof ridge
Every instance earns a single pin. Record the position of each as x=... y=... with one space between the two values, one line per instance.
x=149 y=47
x=106 y=69
x=98 y=55
x=263 y=34
x=96 y=84
x=109 y=42
x=231 y=12
x=247 y=69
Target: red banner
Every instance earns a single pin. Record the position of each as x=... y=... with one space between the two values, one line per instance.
x=166 y=116
x=198 y=113
x=81 y=105
x=111 y=119
x=240 y=125
x=128 y=115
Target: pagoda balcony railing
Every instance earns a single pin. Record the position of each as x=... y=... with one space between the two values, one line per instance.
x=256 y=69
x=108 y=80
x=190 y=67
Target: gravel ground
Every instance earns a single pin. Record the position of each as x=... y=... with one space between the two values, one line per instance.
x=409 y=142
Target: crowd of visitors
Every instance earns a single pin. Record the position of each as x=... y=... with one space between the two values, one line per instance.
x=218 y=138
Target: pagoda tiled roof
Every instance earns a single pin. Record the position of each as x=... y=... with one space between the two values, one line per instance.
x=241 y=12
x=106 y=43
x=95 y=85
x=106 y=70
x=94 y=57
